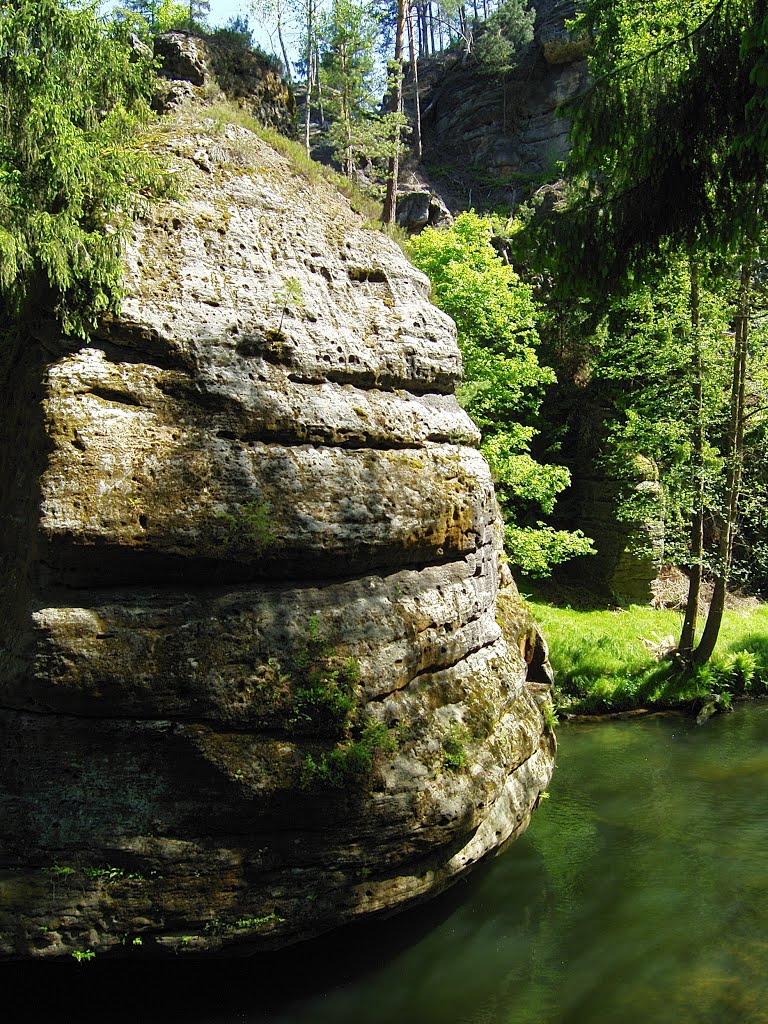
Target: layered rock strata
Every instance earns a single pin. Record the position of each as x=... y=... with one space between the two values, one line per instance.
x=252 y=683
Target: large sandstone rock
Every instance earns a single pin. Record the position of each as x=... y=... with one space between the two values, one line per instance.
x=253 y=685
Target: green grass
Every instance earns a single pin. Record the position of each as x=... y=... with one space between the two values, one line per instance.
x=601 y=664
x=224 y=112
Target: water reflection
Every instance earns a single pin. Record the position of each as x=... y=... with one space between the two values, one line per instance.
x=639 y=895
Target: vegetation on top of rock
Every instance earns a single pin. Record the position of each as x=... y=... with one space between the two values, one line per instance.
x=502 y=35
x=74 y=164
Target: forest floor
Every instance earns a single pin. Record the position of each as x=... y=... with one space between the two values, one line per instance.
x=609 y=659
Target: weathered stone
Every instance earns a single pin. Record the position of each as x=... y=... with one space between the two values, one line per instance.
x=629 y=554
x=252 y=682
x=488 y=142
x=192 y=68
x=418 y=208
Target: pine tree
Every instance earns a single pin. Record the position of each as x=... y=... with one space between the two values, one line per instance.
x=73 y=96
x=347 y=64
x=198 y=11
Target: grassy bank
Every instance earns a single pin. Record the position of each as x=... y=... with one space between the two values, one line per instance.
x=608 y=659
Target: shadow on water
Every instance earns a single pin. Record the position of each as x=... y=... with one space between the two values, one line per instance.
x=639 y=894
x=381 y=960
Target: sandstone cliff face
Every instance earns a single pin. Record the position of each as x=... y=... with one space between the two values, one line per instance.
x=252 y=682
x=490 y=142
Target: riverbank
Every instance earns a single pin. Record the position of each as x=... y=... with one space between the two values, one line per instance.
x=610 y=660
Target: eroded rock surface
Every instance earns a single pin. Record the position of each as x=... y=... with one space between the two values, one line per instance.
x=253 y=684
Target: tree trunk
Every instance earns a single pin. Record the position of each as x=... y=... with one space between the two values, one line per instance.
x=416 y=97
x=310 y=74
x=421 y=12
x=390 y=200
x=688 y=633
x=283 y=50
x=734 y=462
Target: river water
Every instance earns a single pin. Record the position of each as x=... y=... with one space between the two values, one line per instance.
x=638 y=895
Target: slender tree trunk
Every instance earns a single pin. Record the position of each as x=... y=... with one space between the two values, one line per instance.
x=318 y=82
x=734 y=462
x=310 y=73
x=416 y=97
x=390 y=200
x=431 y=26
x=286 y=62
x=688 y=633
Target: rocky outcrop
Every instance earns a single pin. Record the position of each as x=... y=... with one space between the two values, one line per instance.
x=253 y=685
x=489 y=142
x=195 y=68
x=630 y=553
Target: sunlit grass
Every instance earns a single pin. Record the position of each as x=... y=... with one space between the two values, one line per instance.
x=601 y=663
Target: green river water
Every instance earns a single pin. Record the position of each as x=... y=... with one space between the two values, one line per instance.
x=638 y=895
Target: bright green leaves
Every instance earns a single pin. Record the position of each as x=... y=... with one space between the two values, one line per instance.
x=503 y=383
x=73 y=170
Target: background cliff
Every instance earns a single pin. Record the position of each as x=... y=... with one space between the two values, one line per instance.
x=255 y=679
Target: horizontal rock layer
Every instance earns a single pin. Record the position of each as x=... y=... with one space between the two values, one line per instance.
x=252 y=681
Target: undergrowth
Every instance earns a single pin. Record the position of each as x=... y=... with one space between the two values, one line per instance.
x=602 y=665
x=226 y=112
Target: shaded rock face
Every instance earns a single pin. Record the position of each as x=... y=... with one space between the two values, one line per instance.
x=193 y=68
x=629 y=551
x=253 y=684
x=490 y=142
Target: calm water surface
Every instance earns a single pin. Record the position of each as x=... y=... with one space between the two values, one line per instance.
x=638 y=894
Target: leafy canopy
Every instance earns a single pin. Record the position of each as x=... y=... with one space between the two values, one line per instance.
x=73 y=166
x=670 y=141
x=503 y=381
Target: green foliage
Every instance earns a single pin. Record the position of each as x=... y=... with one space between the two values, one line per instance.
x=347 y=77
x=503 y=382
x=110 y=874
x=642 y=367
x=83 y=956
x=251 y=524
x=288 y=296
x=665 y=145
x=349 y=765
x=537 y=550
x=258 y=922
x=549 y=715
x=602 y=665
x=324 y=704
x=74 y=168
x=153 y=16
x=454 y=747
x=501 y=37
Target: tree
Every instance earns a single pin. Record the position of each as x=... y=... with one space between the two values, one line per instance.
x=396 y=93
x=198 y=11
x=159 y=15
x=73 y=166
x=670 y=140
x=500 y=38
x=669 y=155
x=279 y=13
x=503 y=384
x=347 y=67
